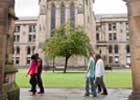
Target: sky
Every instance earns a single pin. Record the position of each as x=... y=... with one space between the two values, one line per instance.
x=30 y=7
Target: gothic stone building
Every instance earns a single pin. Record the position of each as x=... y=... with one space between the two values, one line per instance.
x=112 y=39
x=54 y=13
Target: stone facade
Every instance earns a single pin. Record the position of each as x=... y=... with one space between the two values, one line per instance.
x=112 y=36
x=54 y=13
x=104 y=38
x=24 y=40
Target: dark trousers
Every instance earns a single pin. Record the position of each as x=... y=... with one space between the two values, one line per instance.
x=33 y=82
x=39 y=82
x=100 y=84
x=90 y=81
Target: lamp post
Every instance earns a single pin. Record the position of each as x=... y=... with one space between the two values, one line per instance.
x=134 y=29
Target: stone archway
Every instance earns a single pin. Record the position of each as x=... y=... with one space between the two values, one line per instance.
x=3 y=18
x=134 y=24
x=7 y=70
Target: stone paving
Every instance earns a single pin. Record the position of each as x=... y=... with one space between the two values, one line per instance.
x=74 y=94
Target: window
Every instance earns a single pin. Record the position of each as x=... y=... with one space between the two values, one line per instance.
x=128 y=60
x=72 y=15
x=97 y=37
x=112 y=26
x=53 y=20
x=32 y=28
x=110 y=59
x=17 y=61
x=62 y=14
x=127 y=28
x=127 y=49
x=109 y=27
x=115 y=36
x=116 y=49
x=97 y=28
x=28 y=50
x=116 y=59
x=31 y=38
x=17 y=29
x=16 y=38
x=110 y=48
x=28 y=60
x=17 y=50
x=100 y=52
x=34 y=38
x=110 y=36
x=127 y=36
x=33 y=49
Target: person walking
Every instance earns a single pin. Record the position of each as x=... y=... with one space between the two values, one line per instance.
x=39 y=79
x=90 y=77
x=99 y=73
x=32 y=71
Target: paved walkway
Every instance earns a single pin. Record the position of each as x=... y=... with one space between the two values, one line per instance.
x=74 y=94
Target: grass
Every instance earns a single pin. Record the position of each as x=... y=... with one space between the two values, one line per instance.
x=113 y=79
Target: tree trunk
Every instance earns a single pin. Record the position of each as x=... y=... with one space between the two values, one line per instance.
x=66 y=62
x=53 y=64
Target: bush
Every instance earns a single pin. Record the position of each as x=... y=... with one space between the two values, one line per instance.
x=108 y=67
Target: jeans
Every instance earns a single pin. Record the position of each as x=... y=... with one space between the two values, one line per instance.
x=33 y=82
x=99 y=82
x=39 y=82
x=90 y=82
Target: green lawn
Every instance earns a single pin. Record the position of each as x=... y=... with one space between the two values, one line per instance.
x=113 y=79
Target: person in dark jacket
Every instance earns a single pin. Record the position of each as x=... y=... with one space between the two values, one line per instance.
x=39 y=79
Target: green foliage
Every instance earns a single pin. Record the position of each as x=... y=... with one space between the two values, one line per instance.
x=67 y=42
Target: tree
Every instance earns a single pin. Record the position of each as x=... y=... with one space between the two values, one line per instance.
x=67 y=42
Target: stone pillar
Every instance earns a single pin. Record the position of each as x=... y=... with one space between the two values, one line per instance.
x=134 y=25
x=3 y=31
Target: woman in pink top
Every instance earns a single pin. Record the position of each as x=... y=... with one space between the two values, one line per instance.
x=32 y=71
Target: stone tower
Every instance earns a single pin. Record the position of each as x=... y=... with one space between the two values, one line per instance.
x=54 y=13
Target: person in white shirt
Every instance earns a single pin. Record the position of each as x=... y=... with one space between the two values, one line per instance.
x=99 y=73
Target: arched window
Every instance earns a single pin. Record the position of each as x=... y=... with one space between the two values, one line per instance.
x=62 y=20
x=53 y=16
x=72 y=15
